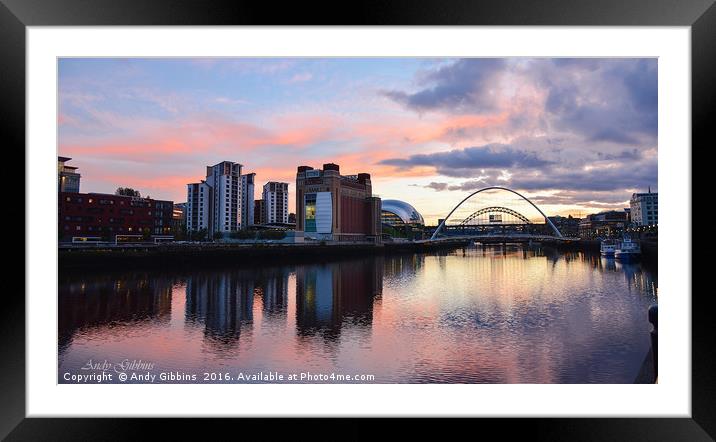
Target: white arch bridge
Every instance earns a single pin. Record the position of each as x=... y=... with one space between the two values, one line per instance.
x=494 y=216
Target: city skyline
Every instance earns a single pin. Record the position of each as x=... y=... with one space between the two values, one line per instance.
x=575 y=135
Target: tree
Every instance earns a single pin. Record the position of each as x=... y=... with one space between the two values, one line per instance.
x=199 y=235
x=272 y=234
x=243 y=234
x=127 y=191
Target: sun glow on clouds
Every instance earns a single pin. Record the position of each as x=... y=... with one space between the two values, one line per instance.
x=579 y=134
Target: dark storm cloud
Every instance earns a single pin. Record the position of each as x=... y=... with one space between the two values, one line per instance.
x=463 y=85
x=472 y=158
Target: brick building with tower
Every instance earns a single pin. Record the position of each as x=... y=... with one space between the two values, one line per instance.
x=335 y=207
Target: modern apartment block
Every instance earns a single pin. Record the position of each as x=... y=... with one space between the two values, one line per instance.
x=68 y=180
x=215 y=203
x=259 y=212
x=275 y=198
x=247 y=199
x=197 y=210
x=335 y=207
x=644 y=209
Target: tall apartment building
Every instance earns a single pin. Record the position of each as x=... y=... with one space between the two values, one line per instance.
x=216 y=201
x=336 y=207
x=247 y=199
x=644 y=208
x=68 y=180
x=197 y=206
x=259 y=212
x=275 y=198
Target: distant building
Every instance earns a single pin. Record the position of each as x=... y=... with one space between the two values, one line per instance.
x=197 y=211
x=259 y=212
x=399 y=213
x=247 y=199
x=335 y=207
x=68 y=180
x=179 y=218
x=644 y=209
x=603 y=224
x=292 y=218
x=215 y=203
x=275 y=198
x=567 y=226
x=106 y=215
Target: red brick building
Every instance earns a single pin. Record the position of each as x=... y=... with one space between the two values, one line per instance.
x=104 y=215
x=336 y=207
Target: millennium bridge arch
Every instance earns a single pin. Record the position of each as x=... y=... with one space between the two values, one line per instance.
x=547 y=220
x=475 y=216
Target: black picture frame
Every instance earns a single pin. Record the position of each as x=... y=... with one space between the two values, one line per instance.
x=16 y=15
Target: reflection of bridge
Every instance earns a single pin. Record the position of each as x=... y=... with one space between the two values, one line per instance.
x=480 y=224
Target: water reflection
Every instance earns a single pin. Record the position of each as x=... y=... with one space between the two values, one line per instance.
x=223 y=303
x=329 y=295
x=111 y=302
x=478 y=314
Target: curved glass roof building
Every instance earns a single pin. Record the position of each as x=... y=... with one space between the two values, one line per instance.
x=397 y=213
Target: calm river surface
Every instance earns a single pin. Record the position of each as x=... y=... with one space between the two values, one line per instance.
x=474 y=315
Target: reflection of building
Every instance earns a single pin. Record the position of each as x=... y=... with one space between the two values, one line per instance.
x=603 y=224
x=275 y=198
x=336 y=207
x=68 y=180
x=106 y=215
x=402 y=266
x=217 y=200
x=329 y=295
x=274 y=288
x=247 y=199
x=96 y=302
x=223 y=302
x=645 y=209
x=399 y=213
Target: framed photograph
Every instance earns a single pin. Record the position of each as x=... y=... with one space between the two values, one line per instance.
x=457 y=219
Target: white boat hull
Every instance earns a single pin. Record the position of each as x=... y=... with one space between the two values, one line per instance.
x=626 y=255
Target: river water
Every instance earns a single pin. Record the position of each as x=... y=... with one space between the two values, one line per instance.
x=501 y=314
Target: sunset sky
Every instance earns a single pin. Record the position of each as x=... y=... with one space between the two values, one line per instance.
x=575 y=135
